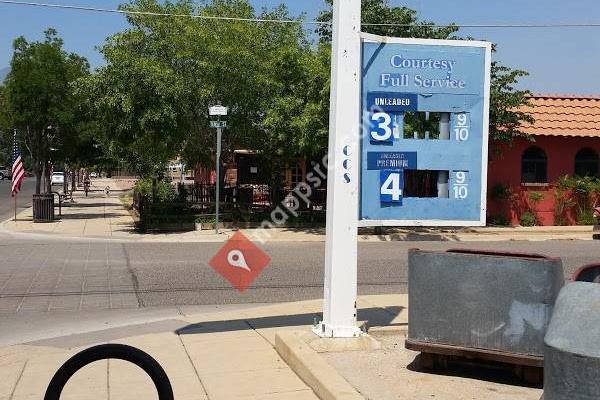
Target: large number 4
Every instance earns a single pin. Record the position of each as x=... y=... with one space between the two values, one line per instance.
x=391 y=187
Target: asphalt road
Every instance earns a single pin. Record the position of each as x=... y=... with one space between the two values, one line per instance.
x=44 y=275
x=7 y=209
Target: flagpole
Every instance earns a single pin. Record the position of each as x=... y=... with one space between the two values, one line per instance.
x=14 y=192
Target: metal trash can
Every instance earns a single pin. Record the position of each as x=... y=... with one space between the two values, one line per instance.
x=481 y=304
x=572 y=354
x=43 y=207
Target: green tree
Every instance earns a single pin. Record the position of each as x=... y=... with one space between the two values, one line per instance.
x=138 y=98
x=5 y=131
x=506 y=104
x=39 y=99
x=405 y=20
x=162 y=74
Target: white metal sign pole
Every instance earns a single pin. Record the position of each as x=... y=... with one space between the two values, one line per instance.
x=339 y=314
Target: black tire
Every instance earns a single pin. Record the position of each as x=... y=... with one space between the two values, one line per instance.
x=1 y=177
x=108 y=351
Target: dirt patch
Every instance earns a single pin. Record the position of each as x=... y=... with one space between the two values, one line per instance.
x=392 y=372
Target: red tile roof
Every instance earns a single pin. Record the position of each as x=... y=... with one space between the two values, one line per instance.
x=564 y=115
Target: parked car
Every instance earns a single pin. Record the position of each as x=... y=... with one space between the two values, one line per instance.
x=58 y=178
x=93 y=175
x=5 y=173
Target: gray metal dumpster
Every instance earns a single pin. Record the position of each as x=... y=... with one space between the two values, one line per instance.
x=481 y=304
x=572 y=354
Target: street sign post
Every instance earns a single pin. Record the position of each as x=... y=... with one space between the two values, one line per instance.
x=217 y=110
x=339 y=313
x=219 y=125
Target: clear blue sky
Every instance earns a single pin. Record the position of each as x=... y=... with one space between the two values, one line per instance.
x=559 y=60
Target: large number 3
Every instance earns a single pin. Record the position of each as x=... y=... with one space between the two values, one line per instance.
x=384 y=121
x=391 y=187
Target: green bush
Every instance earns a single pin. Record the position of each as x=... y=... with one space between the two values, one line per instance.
x=206 y=219
x=536 y=197
x=500 y=192
x=527 y=219
x=499 y=220
x=584 y=193
x=586 y=217
x=165 y=192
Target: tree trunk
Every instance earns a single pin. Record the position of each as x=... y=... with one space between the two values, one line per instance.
x=154 y=188
x=65 y=180
x=38 y=177
x=48 y=178
x=73 y=172
x=43 y=178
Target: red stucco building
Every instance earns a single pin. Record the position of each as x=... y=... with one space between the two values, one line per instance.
x=566 y=141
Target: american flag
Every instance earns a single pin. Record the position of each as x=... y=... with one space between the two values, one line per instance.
x=18 y=172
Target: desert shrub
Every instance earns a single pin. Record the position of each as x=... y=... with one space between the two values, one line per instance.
x=581 y=193
x=499 y=220
x=527 y=219
x=165 y=192
x=500 y=192
x=536 y=197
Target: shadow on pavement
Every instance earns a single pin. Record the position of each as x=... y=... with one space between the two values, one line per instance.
x=90 y=216
x=375 y=317
x=488 y=371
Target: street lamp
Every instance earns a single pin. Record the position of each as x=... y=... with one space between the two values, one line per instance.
x=218 y=111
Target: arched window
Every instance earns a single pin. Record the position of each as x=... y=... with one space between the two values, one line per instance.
x=534 y=166
x=586 y=162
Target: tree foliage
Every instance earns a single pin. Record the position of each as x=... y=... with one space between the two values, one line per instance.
x=39 y=98
x=149 y=103
x=379 y=13
x=507 y=103
x=162 y=74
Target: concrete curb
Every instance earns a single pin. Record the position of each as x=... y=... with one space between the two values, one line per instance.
x=321 y=377
x=458 y=236
x=149 y=238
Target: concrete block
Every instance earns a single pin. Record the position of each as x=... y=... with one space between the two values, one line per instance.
x=499 y=302
x=321 y=377
x=572 y=354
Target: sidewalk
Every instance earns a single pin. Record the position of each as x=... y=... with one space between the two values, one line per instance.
x=230 y=354
x=93 y=216
x=219 y=355
x=98 y=216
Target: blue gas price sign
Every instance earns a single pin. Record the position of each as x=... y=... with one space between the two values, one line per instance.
x=425 y=108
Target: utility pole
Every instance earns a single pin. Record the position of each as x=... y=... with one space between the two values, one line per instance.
x=339 y=314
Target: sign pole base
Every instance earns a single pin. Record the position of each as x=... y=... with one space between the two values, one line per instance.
x=328 y=331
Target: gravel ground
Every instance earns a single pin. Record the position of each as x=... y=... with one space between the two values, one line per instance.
x=393 y=372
